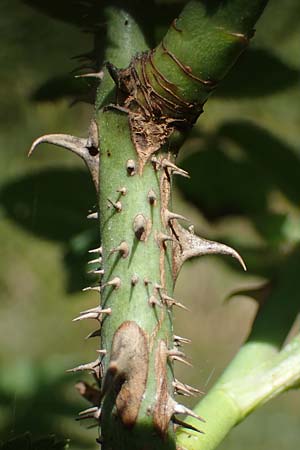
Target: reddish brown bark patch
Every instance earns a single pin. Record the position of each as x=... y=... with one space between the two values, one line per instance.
x=129 y=361
x=163 y=409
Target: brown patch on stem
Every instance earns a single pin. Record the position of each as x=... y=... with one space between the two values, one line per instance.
x=153 y=115
x=163 y=409
x=128 y=367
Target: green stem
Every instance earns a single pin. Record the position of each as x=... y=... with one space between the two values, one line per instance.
x=231 y=400
x=142 y=268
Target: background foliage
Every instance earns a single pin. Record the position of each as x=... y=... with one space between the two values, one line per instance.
x=244 y=158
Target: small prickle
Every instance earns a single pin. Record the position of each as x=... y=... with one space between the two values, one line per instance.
x=115 y=283
x=93 y=215
x=90 y=413
x=185 y=389
x=96 y=250
x=169 y=301
x=176 y=355
x=153 y=301
x=97 y=75
x=92 y=366
x=131 y=167
x=91 y=288
x=152 y=197
x=122 y=191
x=93 y=313
x=166 y=164
x=181 y=409
x=102 y=351
x=123 y=249
x=155 y=163
x=96 y=272
x=181 y=340
x=117 y=205
x=139 y=227
x=183 y=424
x=94 y=261
x=134 y=280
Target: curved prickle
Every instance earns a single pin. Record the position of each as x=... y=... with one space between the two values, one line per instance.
x=84 y=148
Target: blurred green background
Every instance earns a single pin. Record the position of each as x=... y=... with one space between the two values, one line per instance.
x=244 y=158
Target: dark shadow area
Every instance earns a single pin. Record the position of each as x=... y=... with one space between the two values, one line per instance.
x=278 y=163
x=27 y=442
x=52 y=203
x=258 y=73
x=221 y=186
x=37 y=409
x=68 y=87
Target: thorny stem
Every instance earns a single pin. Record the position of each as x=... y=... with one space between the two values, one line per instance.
x=138 y=128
